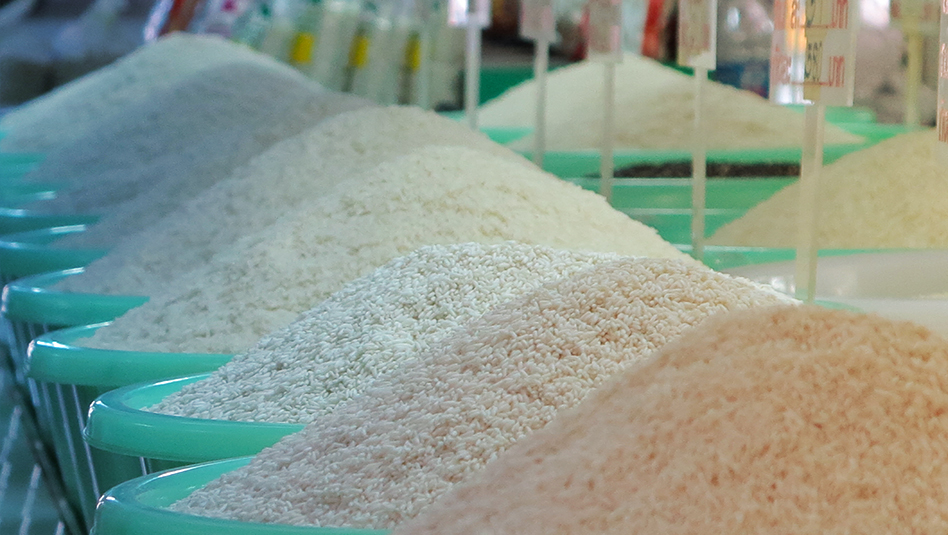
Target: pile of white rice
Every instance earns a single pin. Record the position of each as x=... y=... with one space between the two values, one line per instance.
x=184 y=139
x=435 y=195
x=82 y=106
x=894 y=194
x=369 y=328
x=787 y=420
x=654 y=109
x=339 y=151
x=385 y=456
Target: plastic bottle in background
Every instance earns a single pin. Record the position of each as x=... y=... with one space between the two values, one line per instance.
x=219 y=17
x=306 y=38
x=337 y=33
x=279 y=36
x=388 y=29
x=745 y=31
x=447 y=61
x=251 y=27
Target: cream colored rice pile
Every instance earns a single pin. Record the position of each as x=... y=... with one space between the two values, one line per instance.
x=894 y=194
x=385 y=456
x=436 y=195
x=787 y=420
x=369 y=328
x=654 y=110
x=180 y=142
x=82 y=106
x=292 y=173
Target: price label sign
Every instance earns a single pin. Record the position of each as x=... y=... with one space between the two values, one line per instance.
x=917 y=15
x=697 y=33
x=812 y=57
x=536 y=20
x=461 y=13
x=605 y=30
x=941 y=119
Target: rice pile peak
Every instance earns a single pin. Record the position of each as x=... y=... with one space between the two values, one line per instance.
x=79 y=107
x=369 y=328
x=786 y=420
x=893 y=194
x=291 y=173
x=436 y=195
x=655 y=110
x=196 y=133
x=384 y=456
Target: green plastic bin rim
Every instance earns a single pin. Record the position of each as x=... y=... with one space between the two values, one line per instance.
x=119 y=423
x=21 y=219
x=142 y=507
x=28 y=253
x=31 y=299
x=56 y=357
x=586 y=162
x=21 y=158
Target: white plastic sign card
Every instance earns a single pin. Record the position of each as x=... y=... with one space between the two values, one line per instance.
x=461 y=13
x=605 y=30
x=942 y=117
x=812 y=57
x=697 y=33
x=536 y=20
x=923 y=16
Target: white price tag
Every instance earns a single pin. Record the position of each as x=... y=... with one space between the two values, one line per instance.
x=942 y=118
x=464 y=12
x=813 y=52
x=605 y=30
x=697 y=33
x=917 y=15
x=536 y=20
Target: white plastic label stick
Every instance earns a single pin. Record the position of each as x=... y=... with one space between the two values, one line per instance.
x=698 y=170
x=810 y=168
x=536 y=23
x=474 y=15
x=607 y=162
x=942 y=113
x=605 y=45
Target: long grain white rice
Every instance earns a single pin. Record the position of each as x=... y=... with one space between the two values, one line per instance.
x=385 y=456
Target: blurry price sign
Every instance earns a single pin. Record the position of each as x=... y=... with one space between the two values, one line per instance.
x=918 y=15
x=605 y=30
x=536 y=20
x=697 y=33
x=942 y=118
x=464 y=12
x=812 y=58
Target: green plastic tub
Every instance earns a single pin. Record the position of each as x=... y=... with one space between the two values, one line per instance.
x=15 y=193
x=586 y=162
x=19 y=220
x=141 y=507
x=31 y=299
x=675 y=193
x=23 y=254
x=21 y=158
x=14 y=171
x=118 y=423
x=57 y=357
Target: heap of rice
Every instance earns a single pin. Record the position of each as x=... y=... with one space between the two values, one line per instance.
x=83 y=105
x=436 y=195
x=788 y=420
x=654 y=109
x=386 y=455
x=369 y=328
x=291 y=173
x=184 y=139
x=894 y=194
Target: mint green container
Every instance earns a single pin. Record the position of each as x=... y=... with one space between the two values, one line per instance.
x=15 y=193
x=21 y=158
x=19 y=220
x=27 y=253
x=141 y=507
x=118 y=423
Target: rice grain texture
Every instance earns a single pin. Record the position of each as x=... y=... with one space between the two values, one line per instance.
x=292 y=173
x=893 y=194
x=73 y=110
x=654 y=109
x=786 y=420
x=437 y=195
x=368 y=329
x=180 y=142
x=385 y=456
